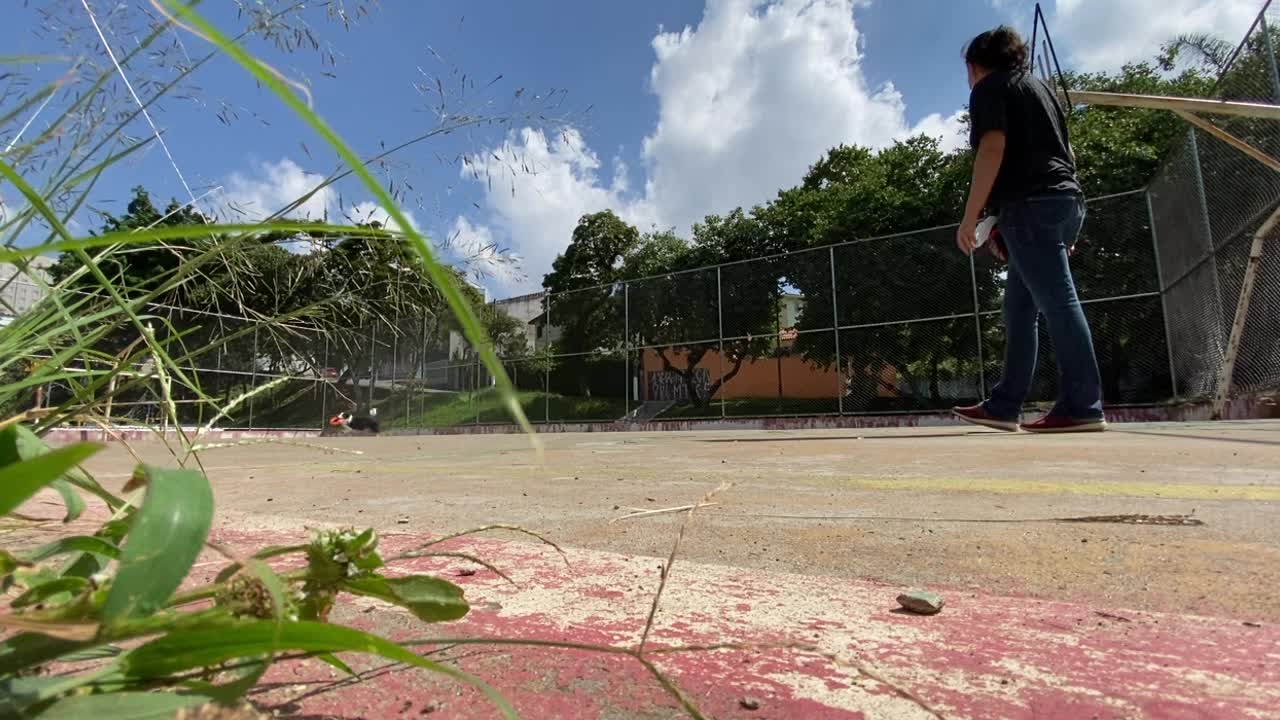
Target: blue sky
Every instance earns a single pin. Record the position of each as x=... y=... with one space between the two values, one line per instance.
x=726 y=106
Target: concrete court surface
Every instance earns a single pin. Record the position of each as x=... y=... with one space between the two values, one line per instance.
x=811 y=544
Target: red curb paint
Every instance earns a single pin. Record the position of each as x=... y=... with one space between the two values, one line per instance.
x=984 y=656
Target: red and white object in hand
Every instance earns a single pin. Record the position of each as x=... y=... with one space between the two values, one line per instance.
x=988 y=233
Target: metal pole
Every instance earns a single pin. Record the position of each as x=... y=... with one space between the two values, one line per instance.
x=1208 y=226
x=546 y=381
x=835 y=327
x=1229 y=139
x=395 y=364
x=1035 y=32
x=410 y=385
x=977 y=327
x=373 y=366
x=253 y=382
x=324 y=383
x=1164 y=306
x=422 y=369
x=720 y=335
x=626 y=349
x=1271 y=57
x=221 y=379
x=1242 y=313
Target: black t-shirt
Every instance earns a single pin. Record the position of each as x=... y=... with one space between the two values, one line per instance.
x=1036 y=155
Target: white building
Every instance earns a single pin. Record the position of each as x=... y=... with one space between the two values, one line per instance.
x=20 y=292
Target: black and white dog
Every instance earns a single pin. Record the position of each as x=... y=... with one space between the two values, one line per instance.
x=349 y=422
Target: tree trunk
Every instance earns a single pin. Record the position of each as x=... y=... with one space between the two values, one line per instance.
x=688 y=374
x=733 y=372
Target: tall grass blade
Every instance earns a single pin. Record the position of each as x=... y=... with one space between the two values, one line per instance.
x=466 y=316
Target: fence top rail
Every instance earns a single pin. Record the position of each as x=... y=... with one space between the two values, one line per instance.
x=1267 y=111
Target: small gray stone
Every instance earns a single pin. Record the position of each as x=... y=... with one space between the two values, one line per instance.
x=923 y=603
x=749 y=703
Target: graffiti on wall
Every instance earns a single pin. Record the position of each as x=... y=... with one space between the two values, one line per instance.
x=665 y=385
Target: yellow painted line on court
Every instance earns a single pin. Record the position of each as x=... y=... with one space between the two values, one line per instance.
x=1178 y=491
x=1012 y=486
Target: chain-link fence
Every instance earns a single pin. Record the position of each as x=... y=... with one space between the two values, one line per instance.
x=1208 y=200
x=896 y=324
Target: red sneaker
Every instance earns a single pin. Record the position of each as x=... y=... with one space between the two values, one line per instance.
x=978 y=415
x=1061 y=424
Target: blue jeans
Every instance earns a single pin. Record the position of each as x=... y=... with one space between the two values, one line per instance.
x=1039 y=232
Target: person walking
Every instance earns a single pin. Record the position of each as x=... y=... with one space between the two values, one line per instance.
x=1024 y=173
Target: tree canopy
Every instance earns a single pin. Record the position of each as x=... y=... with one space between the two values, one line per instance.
x=333 y=300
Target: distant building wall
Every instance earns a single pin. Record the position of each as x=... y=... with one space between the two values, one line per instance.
x=21 y=292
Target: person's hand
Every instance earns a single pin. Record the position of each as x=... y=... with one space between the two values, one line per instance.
x=967 y=236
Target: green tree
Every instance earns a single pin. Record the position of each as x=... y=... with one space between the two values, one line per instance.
x=880 y=283
x=506 y=332
x=685 y=310
x=1118 y=149
x=141 y=269
x=584 y=303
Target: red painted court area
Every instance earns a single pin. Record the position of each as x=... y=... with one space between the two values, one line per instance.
x=983 y=656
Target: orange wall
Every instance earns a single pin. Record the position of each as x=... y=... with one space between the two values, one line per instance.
x=758 y=378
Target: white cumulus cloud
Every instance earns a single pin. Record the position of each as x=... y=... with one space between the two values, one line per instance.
x=538 y=187
x=747 y=101
x=253 y=195
x=270 y=187
x=1093 y=35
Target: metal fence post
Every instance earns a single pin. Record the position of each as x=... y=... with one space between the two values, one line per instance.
x=1271 y=56
x=253 y=376
x=720 y=337
x=373 y=364
x=835 y=328
x=324 y=383
x=626 y=349
x=546 y=379
x=1164 y=307
x=1204 y=215
x=977 y=327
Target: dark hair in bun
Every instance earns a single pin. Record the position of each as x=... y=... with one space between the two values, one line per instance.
x=999 y=49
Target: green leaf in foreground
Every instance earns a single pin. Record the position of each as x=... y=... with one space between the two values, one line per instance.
x=24 y=478
x=188 y=650
x=29 y=648
x=44 y=591
x=168 y=534
x=18 y=442
x=79 y=543
x=70 y=498
x=122 y=706
x=430 y=599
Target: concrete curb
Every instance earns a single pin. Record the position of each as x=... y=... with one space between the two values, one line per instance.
x=1187 y=412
